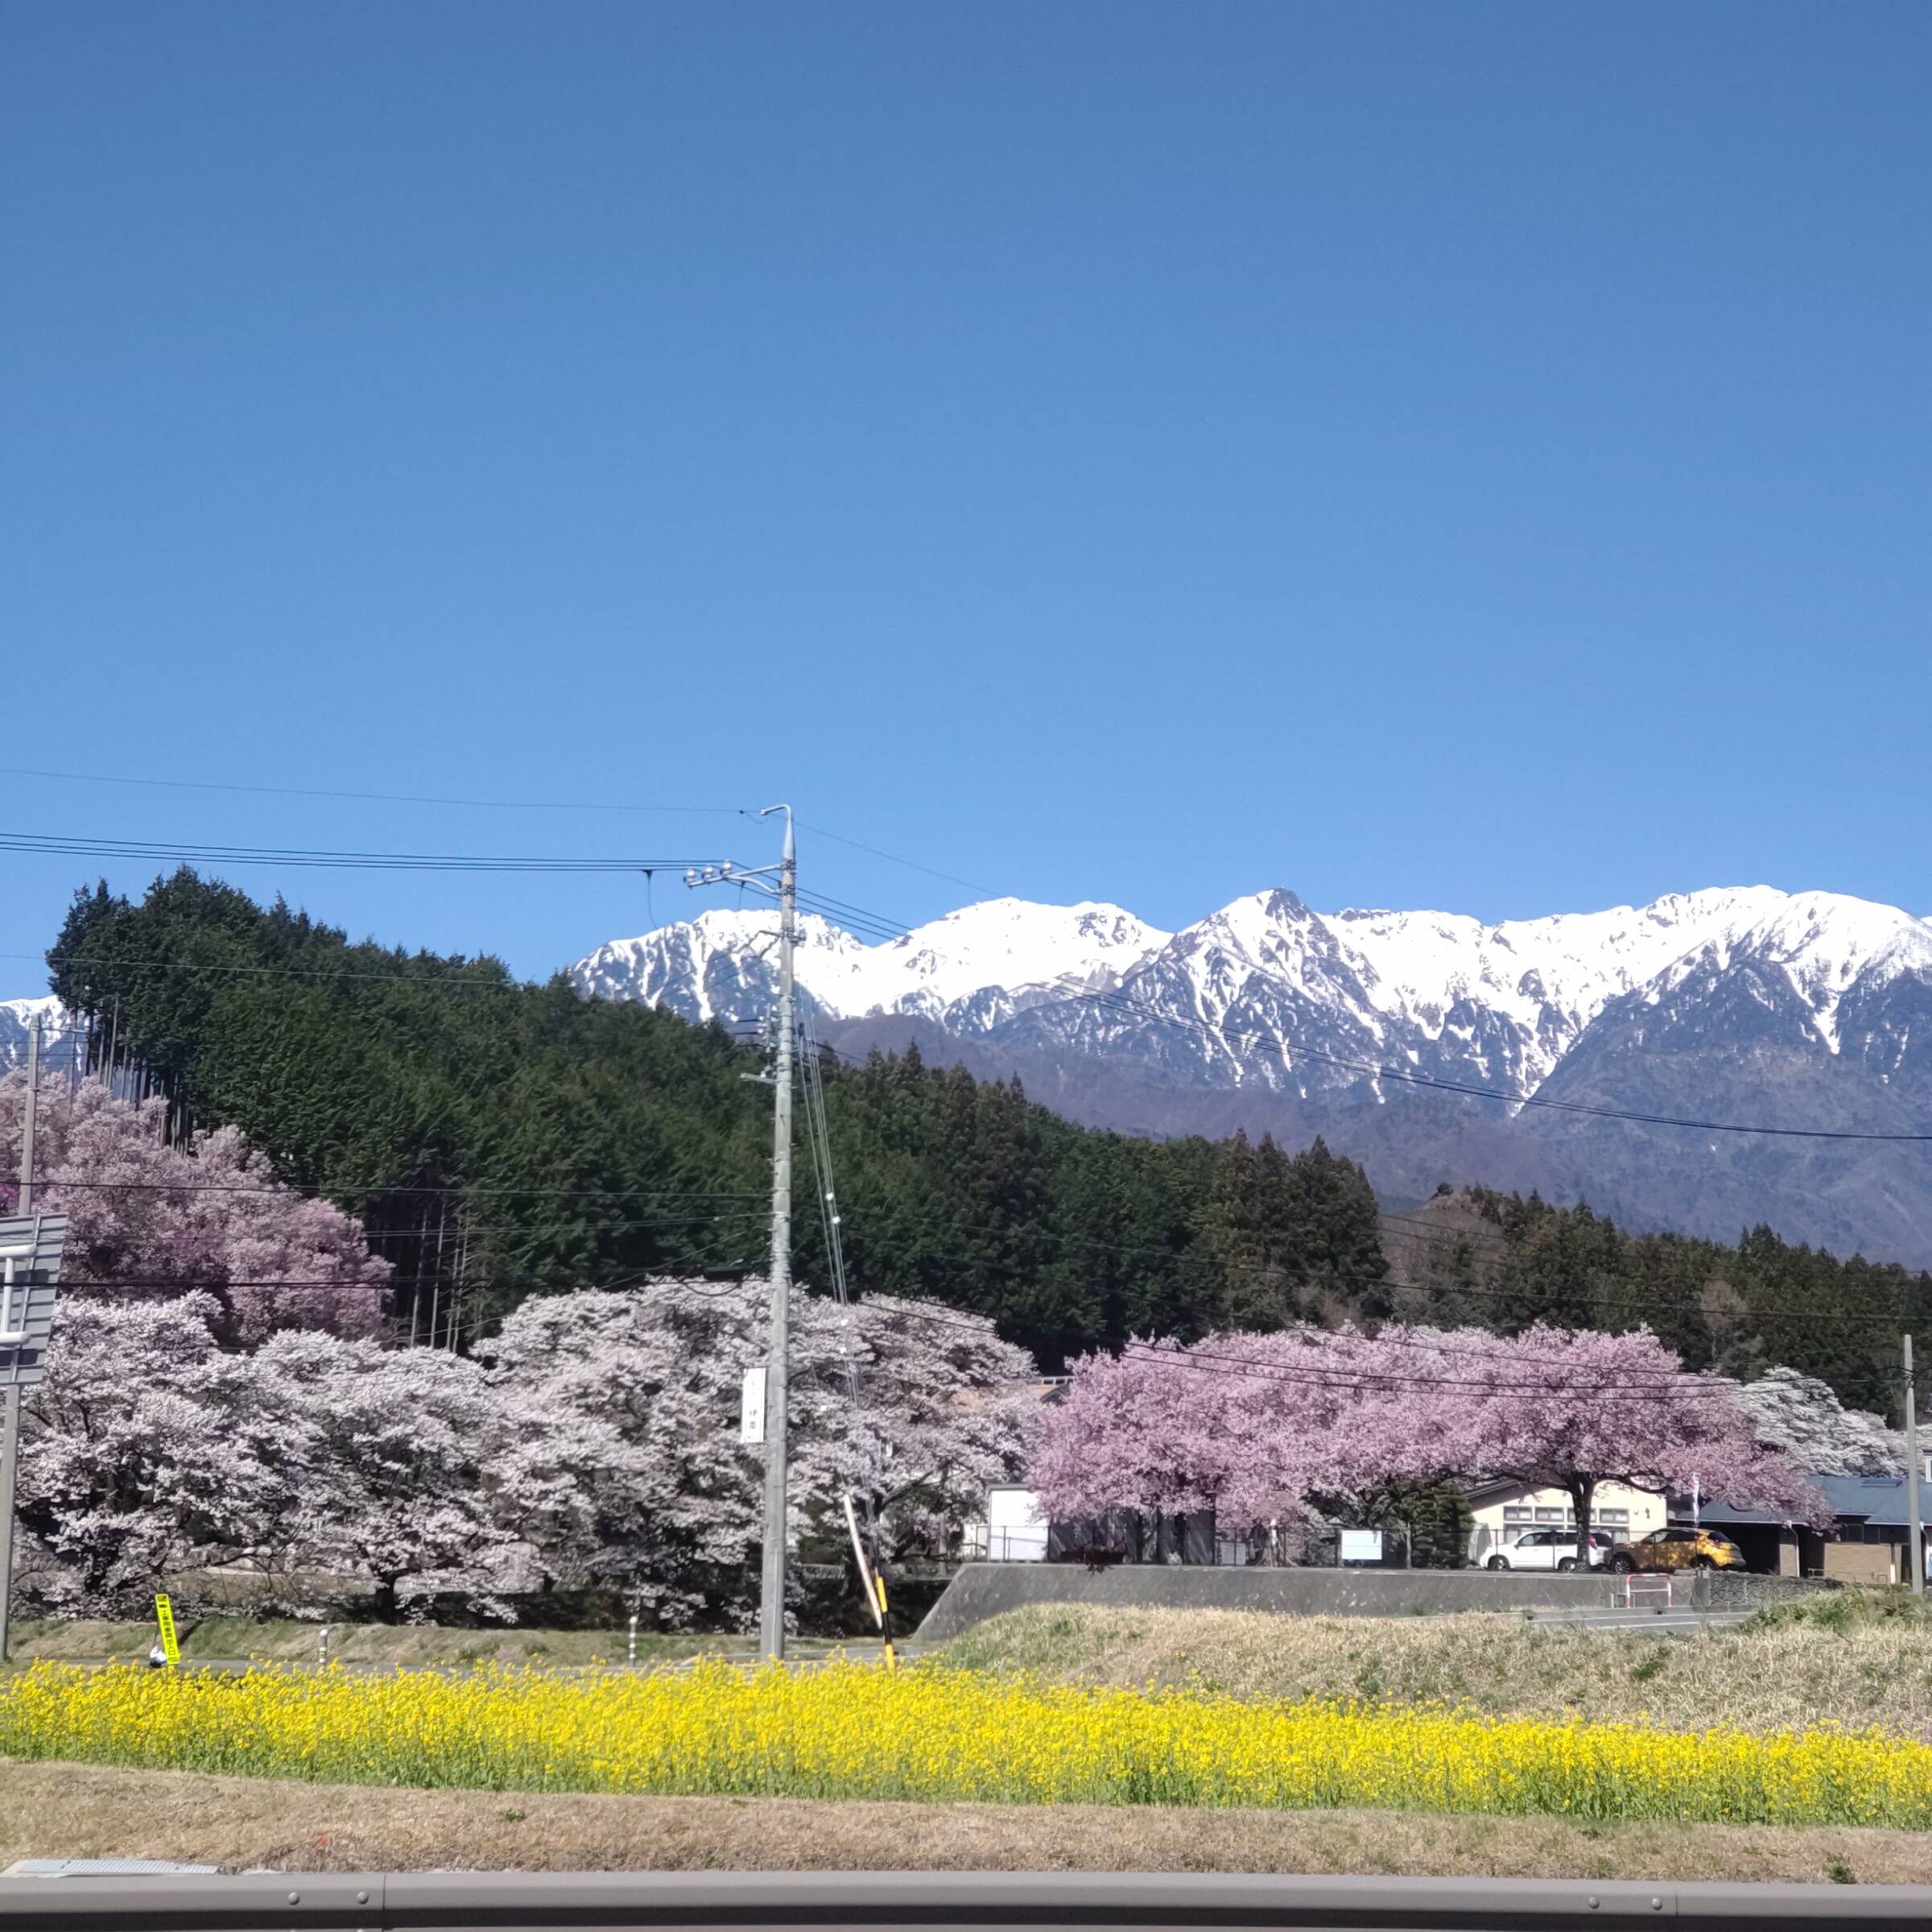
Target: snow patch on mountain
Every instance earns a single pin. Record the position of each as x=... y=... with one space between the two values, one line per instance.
x=1501 y=1002
x=1011 y=947
x=1550 y=976
x=17 y=1016
x=1824 y=943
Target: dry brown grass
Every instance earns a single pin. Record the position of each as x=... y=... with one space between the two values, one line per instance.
x=1784 y=1677
x=94 y=1811
x=287 y=1639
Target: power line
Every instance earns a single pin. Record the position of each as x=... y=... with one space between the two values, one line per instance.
x=384 y=1187
x=1319 y=1278
x=152 y=851
x=1428 y=1082
x=401 y=976
x=376 y=798
x=931 y=872
x=1359 y=1380
x=406 y=798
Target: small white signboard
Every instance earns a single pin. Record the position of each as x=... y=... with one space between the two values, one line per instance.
x=1361 y=1546
x=751 y=1409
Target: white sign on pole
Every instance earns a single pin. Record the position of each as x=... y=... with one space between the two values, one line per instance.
x=30 y=1266
x=1361 y=1546
x=751 y=1409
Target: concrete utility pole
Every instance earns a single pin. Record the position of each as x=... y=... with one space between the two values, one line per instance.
x=9 y=1415
x=1915 y=1526
x=771 y=1603
x=26 y=1125
x=771 y=1600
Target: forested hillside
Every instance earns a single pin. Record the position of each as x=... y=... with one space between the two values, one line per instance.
x=501 y=1139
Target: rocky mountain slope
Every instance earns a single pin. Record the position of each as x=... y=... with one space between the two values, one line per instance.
x=1745 y=1005
x=16 y=1016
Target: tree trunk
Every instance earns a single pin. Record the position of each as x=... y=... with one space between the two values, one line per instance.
x=1583 y=1492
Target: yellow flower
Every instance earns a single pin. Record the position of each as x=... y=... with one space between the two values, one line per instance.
x=852 y=1731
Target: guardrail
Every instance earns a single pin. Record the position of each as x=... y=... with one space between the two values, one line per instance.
x=773 y=1901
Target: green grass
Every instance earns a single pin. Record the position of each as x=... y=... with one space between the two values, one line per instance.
x=1842 y=1612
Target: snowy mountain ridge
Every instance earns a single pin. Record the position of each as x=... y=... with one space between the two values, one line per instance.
x=716 y=966
x=1504 y=1001
x=17 y=1016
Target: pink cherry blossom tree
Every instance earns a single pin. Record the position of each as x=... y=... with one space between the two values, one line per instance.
x=148 y=1219
x=1571 y=1408
x=1253 y=1426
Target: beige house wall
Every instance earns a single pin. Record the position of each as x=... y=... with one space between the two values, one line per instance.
x=1862 y=1562
x=1502 y=1518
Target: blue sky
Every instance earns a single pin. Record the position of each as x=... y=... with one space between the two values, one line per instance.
x=1466 y=456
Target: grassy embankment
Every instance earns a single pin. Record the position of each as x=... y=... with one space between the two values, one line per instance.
x=287 y=1639
x=1854 y=1658
x=51 y=1811
x=1851 y=1661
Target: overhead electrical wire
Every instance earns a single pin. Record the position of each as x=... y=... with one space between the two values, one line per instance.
x=1199 y=1361
x=818 y=1136
x=384 y=1187
x=151 y=851
x=374 y=797
x=406 y=798
x=1428 y=1082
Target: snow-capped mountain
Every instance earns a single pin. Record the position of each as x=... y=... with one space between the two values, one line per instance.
x=967 y=971
x=17 y=1016
x=1437 y=993
x=1809 y=1009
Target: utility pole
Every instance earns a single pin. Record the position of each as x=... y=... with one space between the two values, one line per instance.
x=771 y=1603
x=26 y=1125
x=1915 y=1527
x=10 y=1415
x=771 y=1598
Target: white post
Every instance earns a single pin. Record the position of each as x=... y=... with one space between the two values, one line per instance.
x=631 y=1655
x=858 y=1550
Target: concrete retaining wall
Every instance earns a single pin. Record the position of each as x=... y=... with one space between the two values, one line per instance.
x=984 y=1589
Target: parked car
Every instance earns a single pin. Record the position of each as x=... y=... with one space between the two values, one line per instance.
x=1679 y=1550
x=1549 y=1549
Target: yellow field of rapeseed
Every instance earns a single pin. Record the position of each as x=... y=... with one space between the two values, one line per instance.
x=852 y=1730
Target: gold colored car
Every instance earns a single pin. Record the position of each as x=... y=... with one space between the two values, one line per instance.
x=1679 y=1550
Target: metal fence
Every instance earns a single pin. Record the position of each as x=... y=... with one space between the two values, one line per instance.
x=721 y=1901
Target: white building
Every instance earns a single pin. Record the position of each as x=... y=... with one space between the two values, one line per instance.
x=1503 y=1509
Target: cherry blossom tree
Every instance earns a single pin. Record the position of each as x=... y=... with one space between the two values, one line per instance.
x=1248 y=1425
x=149 y=1219
x=400 y=1454
x=1573 y=1408
x=624 y=1465
x=1253 y=1426
x=147 y=1453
